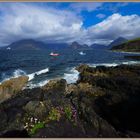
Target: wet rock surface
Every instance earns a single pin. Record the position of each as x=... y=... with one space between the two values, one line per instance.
x=104 y=102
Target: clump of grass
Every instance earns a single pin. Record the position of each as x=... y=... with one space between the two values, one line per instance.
x=36 y=127
x=32 y=124
x=54 y=115
x=68 y=112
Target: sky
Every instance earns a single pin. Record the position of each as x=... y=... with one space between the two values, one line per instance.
x=65 y=22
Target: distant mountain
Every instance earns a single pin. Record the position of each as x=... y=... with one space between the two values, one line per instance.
x=26 y=44
x=30 y=44
x=98 y=46
x=117 y=41
x=129 y=46
x=76 y=45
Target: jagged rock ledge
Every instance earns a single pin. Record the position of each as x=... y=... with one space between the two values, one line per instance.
x=104 y=102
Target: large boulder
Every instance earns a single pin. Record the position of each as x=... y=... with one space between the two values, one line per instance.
x=121 y=96
x=11 y=119
x=36 y=108
x=72 y=89
x=11 y=87
x=54 y=92
x=82 y=96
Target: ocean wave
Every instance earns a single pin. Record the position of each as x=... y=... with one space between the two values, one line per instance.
x=71 y=76
x=19 y=72
x=32 y=75
x=15 y=74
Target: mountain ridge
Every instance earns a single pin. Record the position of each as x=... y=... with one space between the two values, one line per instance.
x=26 y=44
x=31 y=44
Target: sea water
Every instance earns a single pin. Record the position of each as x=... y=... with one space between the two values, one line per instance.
x=40 y=67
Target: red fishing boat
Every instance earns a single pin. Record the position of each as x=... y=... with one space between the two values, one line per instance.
x=54 y=54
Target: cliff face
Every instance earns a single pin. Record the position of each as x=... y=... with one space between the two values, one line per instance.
x=129 y=46
x=103 y=103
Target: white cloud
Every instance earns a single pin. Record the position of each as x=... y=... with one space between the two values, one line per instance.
x=100 y=16
x=20 y=21
x=114 y=26
x=44 y=23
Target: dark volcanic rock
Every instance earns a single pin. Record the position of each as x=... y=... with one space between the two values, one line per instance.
x=54 y=92
x=15 y=134
x=61 y=129
x=120 y=100
x=36 y=108
x=103 y=103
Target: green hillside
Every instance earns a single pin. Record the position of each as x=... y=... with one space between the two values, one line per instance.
x=129 y=46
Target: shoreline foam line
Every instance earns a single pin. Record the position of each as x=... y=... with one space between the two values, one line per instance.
x=32 y=75
x=19 y=72
x=115 y=64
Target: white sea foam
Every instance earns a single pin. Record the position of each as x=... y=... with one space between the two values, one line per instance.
x=42 y=71
x=32 y=75
x=71 y=76
x=20 y=72
x=15 y=74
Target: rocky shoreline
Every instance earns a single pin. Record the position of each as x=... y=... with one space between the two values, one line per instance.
x=104 y=102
